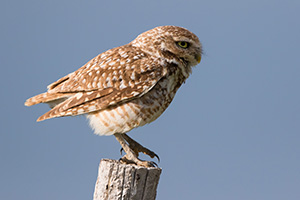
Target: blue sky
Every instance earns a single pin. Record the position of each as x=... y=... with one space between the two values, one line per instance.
x=232 y=131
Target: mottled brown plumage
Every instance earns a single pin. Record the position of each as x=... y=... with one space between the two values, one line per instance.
x=128 y=86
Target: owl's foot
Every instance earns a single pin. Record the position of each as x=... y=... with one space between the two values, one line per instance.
x=137 y=148
x=135 y=160
x=132 y=151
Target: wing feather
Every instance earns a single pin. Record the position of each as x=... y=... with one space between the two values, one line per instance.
x=46 y=97
x=112 y=77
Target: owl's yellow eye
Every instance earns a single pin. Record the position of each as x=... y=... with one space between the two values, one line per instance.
x=183 y=44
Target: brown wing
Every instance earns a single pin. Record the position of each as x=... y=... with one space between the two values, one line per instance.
x=118 y=68
x=114 y=76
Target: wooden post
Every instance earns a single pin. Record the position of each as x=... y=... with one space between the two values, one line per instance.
x=118 y=181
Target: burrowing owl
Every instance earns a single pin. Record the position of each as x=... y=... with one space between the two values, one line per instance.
x=126 y=87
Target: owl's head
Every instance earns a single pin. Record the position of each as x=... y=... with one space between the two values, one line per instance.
x=171 y=42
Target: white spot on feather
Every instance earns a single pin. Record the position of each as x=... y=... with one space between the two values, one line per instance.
x=124 y=55
x=79 y=95
x=108 y=84
x=92 y=108
x=132 y=76
x=111 y=63
x=122 y=86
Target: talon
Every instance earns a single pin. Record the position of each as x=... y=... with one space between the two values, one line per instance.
x=154 y=164
x=121 y=151
x=157 y=157
x=150 y=153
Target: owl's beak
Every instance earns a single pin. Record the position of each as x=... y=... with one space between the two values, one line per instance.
x=198 y=58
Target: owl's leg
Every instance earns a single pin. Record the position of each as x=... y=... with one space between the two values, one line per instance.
x=131 y=156
x=136 y=147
